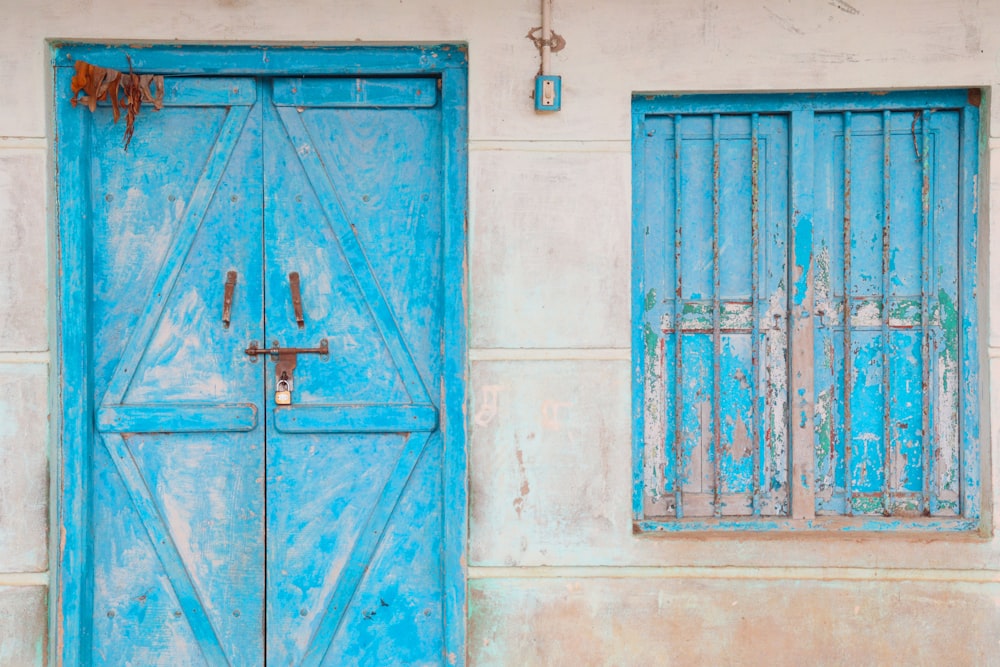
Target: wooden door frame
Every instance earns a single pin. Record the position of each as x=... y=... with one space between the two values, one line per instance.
x=74 y=428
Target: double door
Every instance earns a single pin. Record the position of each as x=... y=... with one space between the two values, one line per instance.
x=263 y=236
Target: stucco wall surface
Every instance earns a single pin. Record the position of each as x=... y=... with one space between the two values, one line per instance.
x=556 y=574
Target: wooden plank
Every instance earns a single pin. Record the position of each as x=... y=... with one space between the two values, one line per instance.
x=454 y=109
x=793 y=102
x=268 y=60
x=642 y=456
x=927 y=441
x=183 y=91
x=971 y=392
x=178 y=418
x=73 y=597
x=757 y=434
x=355 y=92
x=774 y=176
x=717 y=404
x=887 y=385
x=801 y=388
x=356 y=418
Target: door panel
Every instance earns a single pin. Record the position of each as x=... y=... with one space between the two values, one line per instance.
x=177 y=510
x=226 y=529
x=354 y=207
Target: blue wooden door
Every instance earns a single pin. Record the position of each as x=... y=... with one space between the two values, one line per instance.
x=353 y=206
x=226 y=529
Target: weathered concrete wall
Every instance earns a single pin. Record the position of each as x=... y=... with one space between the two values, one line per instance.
x=556 y=575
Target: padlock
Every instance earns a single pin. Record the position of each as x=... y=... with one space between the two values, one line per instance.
x=282 y=394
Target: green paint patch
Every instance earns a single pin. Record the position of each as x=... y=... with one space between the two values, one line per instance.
x=696 y=309
x=650 y=300
x=823 y=426
x=863 y=505
x=650 y=339
x=948 y=314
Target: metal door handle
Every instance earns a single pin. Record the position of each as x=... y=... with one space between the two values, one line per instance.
x=293 y=282
x=227 y=299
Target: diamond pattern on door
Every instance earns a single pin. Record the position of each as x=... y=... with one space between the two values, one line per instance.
x=229 y=530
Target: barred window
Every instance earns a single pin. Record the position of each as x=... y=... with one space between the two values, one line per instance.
x=804 y=327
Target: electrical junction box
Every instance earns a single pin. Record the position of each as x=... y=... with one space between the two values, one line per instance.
x=548 y=93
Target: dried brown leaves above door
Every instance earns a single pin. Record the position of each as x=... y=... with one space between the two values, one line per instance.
x=124 y=90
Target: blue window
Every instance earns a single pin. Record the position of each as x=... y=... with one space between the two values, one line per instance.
x=804 y=311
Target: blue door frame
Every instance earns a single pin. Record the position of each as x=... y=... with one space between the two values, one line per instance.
x=72 y=603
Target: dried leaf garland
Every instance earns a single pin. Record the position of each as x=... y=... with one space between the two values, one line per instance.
x=124 y=90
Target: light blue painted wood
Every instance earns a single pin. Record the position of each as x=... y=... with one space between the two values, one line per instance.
x=767 y=103
x=881 y=425
x=176 y=519
x=173 y=262
x=270 y=60
x=330 y=186
x=162 y=536
x=318 y=418
x=643 y=168
x=73 y=582
x=972 y=145
x=355 y=207
x=358 y=509
x=182 y=91
x=356 y=92
x=454 y=114
x=334 y=613
x=705 y=171
x=176 y=418
x=861 y=470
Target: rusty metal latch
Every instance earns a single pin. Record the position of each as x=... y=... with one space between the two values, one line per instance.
x=277 y=351
x=285 y=360
x=293 y=282
x=227 y=299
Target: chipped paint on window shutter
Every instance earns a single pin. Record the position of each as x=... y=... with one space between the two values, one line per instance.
x=886 y=186
x=717 y=322
x=887 y=418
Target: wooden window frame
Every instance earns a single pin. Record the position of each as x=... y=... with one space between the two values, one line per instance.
x=800 y=110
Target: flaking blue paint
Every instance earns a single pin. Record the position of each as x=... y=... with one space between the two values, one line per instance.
x=813 y=263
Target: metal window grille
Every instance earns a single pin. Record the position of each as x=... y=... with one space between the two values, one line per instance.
x=805 y=323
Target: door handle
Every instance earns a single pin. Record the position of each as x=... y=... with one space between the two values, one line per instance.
x=227 y=299
x=293 y=283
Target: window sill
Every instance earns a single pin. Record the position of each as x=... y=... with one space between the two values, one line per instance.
x=883 y=526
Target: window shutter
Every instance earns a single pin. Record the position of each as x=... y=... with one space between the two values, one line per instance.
x=888 y=181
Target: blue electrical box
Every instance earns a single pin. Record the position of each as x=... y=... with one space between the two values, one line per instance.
x=548 y=93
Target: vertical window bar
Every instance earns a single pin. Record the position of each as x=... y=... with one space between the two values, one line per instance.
x=716 y=329
x=846 y=320
x=755 y=306
x=678 y=330
x=927 y=441
x=887 y=498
